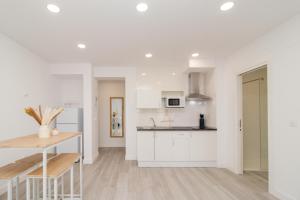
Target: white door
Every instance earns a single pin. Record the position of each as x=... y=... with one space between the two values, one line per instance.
x=180 y=151
x=203 y=146
x=163 y=146
x=145 y=146
x=251 y=125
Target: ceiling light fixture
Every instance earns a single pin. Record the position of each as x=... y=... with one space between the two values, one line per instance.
x=81 y=46
x=194 y=55
x=53 y=8
x=144 y=74
x=227 y=6
x=174 y=74
x=142 y=7
x=148 y=55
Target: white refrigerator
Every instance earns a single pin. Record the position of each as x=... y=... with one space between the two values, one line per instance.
x=70 y=120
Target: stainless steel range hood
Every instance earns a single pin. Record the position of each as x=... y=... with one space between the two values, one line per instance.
x=197 y=87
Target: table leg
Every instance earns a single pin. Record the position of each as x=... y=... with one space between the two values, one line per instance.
x=9 y=190
x=72 y=183
x=81 y=168
x=45 y=175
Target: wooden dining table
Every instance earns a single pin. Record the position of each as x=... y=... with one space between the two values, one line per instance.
x=45 y=144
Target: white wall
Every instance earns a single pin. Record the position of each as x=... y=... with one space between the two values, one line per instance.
x=24 y=81
x=89 y=106
x=280 y=50
x=129 y=74
x=188 y=116
x=107 y=89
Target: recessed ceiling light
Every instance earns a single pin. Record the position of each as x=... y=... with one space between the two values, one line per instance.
x=148 y=55
x=53 y=8
x=144 y=74
x=227 y=6
x=81 y=46
x=174 y=74
x=142 y=7
x=194 y=55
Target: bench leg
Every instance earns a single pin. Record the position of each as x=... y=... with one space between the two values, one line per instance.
x=34 y=188
x=49 y=189
x=45 y=175
x=17 y=188
x=62 y=188
x=72 y=183
x=55 y=189
x=27 y=189
x=38 y=189
x=9 y=190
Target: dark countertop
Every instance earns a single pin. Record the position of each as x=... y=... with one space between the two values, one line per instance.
x=174 y=128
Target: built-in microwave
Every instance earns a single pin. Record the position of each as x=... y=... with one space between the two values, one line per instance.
x=174 y=102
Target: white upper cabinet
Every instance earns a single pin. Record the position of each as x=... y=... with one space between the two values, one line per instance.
x=145 y=146
x=148 y=98
x=203 y=146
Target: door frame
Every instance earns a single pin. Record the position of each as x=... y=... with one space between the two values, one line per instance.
x=239 y=147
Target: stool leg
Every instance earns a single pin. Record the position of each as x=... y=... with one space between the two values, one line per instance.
x=62 y=188
x=49 y=189
x=17 y=188
x=34 y=188
x=72 y=183
x=27 y=189
x=38 y=189
x=55 y=189
x=9 y=190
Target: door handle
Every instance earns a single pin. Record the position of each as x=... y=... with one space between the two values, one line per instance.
x=240 y=125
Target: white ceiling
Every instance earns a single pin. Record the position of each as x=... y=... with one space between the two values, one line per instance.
x=117 y=35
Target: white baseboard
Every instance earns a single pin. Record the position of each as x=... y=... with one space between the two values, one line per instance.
x=177 y=164
x=280 y=195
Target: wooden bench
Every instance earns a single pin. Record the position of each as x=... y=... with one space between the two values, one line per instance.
x=35 y=158
x=56 y=168
x=20 y=167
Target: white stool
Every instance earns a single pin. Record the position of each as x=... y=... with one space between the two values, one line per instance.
x=56 y=169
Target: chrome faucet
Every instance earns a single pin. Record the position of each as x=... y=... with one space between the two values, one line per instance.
x=154 y=124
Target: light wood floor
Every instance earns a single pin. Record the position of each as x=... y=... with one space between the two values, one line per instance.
x=113 y=178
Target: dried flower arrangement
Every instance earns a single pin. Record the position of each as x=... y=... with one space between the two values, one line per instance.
x=44 y=119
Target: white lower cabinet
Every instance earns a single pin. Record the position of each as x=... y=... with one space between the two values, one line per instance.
x=203 y=146
x=145 y=146
x=180 y=150
x=177 y=148
x=163 y=146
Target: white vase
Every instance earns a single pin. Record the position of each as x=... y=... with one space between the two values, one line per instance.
x=44 y=132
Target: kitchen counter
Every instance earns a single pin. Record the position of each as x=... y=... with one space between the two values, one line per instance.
x=174 y=128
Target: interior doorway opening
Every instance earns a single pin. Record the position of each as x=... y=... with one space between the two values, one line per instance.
x=111 y=113
x=254 y=122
